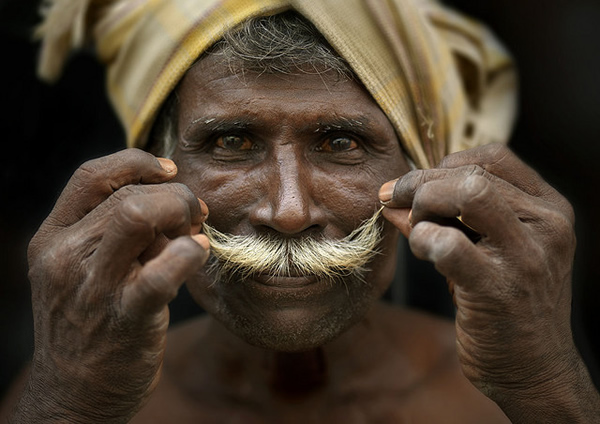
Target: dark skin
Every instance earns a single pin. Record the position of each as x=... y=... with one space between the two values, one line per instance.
x=300 y=156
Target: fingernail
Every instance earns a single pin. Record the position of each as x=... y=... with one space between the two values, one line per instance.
x=386 y=191
x=203 y=207
x=202 y=240
x=167 y=164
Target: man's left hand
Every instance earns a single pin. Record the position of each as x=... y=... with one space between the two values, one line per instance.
x=512 y=284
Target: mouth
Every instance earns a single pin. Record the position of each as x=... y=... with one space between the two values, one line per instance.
x=285 y=282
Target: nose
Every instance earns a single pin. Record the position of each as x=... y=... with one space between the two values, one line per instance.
x=288 y=205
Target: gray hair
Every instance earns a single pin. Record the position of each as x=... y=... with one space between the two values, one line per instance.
x=285 y=43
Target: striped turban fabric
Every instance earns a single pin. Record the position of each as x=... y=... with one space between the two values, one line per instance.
x=442 y=79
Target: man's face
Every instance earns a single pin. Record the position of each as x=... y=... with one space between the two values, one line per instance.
x=292 y=156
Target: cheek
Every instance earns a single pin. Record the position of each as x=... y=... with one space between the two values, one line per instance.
x=353 y=192
x=352 y=198
x=228 y=194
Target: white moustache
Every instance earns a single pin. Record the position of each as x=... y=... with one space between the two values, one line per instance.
x=247 y=255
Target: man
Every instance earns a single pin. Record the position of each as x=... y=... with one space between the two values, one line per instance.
x=292 y=149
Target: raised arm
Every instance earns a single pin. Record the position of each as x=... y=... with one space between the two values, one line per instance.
x=511 y=285
x=103 y=267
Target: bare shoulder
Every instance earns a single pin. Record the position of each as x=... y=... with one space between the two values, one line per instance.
x=421 y=328
x=441 y=391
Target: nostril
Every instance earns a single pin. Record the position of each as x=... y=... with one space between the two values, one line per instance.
x=314 y=231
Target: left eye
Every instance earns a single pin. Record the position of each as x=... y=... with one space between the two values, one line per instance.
x=338 y=144
x=234 y=142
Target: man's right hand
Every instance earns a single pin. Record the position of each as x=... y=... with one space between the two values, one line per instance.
x=103 y=266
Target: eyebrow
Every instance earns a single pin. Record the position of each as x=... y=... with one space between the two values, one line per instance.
x=216 y=125
x=209 y=125
x=358 y=124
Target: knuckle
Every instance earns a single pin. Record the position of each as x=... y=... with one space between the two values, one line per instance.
x=101 y=170
x=141 y=211
x=88 y=172
x=472 y=169
x=134 y=154
x=132 y=216
x=496 y=151
x=475 y=186
x=559 y=227
x=129 y=190
x=434 y=243
x=133 y=158
x=133 y=209
x=562 y=206
x=453 y=160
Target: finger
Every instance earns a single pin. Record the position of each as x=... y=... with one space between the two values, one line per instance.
x=158 y=281
x=97 y=179
x=401 y=193
x=452 y=253
x=137 y=222
x=500 y=161
x=104 y=211
x=478 y=203
x=399 y=217
x=161 y=240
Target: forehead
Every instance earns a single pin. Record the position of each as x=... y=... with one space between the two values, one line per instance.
x=211 y=89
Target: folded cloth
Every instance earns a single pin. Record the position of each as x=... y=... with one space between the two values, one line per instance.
x=442 y=79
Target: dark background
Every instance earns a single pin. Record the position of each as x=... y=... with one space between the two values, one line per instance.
x=48 y=131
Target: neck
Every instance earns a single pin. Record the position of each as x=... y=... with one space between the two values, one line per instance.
x=289 y=373
x=293 y=373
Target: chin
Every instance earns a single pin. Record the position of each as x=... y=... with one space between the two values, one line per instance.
x=292 y=330
x=285 y=320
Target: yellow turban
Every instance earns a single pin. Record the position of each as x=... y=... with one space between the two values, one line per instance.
x=442 y=79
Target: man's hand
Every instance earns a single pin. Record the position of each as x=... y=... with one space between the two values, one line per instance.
x=103 y=267
x=511 y=286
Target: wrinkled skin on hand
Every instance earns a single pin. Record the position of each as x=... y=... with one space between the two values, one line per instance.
x=100 y=287
x=512 y=288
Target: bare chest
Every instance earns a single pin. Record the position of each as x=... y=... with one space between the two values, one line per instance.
x=377 y=406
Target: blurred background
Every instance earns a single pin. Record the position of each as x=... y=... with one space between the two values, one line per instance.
x=47 y=131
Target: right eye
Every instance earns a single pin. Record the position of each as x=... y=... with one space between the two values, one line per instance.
x=235 y=143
